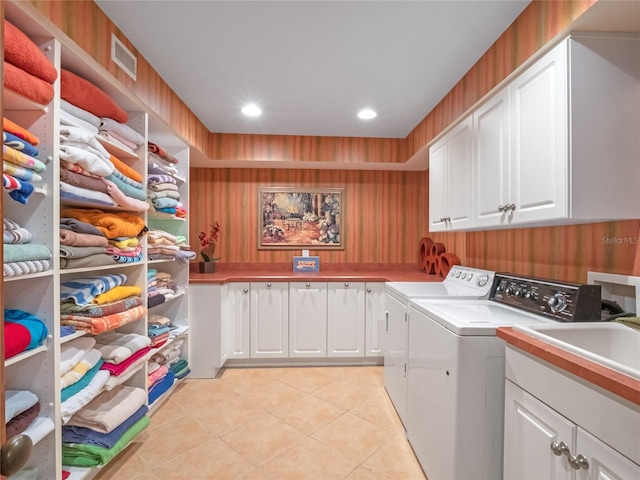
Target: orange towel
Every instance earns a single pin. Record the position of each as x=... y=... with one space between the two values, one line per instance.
x=18 y=131
x=125 y=169
x=27 y=85
x=19 y=50
x=112 y=224
x=85 y=95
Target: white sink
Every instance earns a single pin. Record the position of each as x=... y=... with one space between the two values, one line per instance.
x=611 y=344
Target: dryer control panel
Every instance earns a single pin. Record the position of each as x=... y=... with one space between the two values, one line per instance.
x=560 y=301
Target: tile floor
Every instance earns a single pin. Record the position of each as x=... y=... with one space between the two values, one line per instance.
x=325 y=423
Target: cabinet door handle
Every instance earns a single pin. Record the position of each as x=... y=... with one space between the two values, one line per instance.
x=578 y=462
x=386 y=315
x=502 y=208
x=15 y=454
x=268 y=285
x=308 y=285
x=511 y=206
x=368 y=290
x=346 y=284
x=246 y=290
x=559 y=449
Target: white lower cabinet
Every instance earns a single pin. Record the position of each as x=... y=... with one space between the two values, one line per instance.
x=346 y=319
x=374 y=319
x=275 y=320
x=269 y=320
x=542 y=444
x=395 y=354
x=236 y=318
x=308 y=319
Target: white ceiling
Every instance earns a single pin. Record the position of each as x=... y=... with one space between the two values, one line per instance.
x=311 y=65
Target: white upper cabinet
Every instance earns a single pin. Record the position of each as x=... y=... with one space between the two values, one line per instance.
x=491 y=155
x=538 y=154
x=450 y=171
x=558 y=143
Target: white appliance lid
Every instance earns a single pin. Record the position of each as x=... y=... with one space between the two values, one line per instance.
x=474 y=317
x=409 y=290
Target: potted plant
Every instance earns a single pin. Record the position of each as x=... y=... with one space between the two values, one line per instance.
x=208 y=242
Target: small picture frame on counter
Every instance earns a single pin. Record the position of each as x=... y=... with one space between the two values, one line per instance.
x=306 y=264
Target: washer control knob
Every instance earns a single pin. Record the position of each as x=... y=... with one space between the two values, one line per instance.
x=557 y=302
x=469 y=277
x=483 y=280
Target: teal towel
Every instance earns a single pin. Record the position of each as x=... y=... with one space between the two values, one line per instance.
x=25 y=252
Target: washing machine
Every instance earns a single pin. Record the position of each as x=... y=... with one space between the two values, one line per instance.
x=461 y=282
x=455 y=399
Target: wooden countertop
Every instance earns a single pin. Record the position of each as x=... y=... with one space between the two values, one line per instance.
x=611 y=380
x=323 y=276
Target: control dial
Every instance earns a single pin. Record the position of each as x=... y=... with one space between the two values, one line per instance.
x=482 y=280
x=557 y=302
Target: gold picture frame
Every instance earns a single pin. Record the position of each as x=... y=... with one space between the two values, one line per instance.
x=300 y=218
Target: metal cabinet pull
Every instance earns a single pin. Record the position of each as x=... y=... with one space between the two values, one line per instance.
x=268 y=285
x=15 y=454
x=368 y=290
x=346 y=284
x=559 y=449
x=308 y=285
x=578 y=462
x=386 y=314
x=246 y=290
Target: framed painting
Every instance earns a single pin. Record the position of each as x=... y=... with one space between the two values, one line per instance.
x=294 y=218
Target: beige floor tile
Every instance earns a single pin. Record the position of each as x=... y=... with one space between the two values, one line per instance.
x=362 y=473
x=263 y=438
x=395 y=460
x=169 y=411
x=242 y=380
x=224 y=416
x=352 y=436
x=150 y=475
x=308 y=413
x=220 y=429
x=365 y=376
x=191 y=394
x=379 y=410
x=211 y=461
x=173 y=439
x=273 y=395
x=126 y=466
x=257 y=473
x=308 y=379
x=344 y=394
x=309 y=459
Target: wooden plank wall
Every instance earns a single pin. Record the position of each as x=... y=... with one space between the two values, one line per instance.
x=384 y=212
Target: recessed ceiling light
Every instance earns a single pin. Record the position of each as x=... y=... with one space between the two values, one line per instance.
x=366 y=114
x=251 y=110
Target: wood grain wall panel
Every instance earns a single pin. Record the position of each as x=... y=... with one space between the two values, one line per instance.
x=563 y=252
x=540 y=22
x=385 y=212
x=291 y=148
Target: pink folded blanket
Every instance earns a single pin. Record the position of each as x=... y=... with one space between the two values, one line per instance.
x=19 y=50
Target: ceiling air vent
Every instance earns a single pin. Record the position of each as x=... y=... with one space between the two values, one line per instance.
x=123 y=57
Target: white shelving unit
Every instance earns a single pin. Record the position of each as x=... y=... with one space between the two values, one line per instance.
x=38 y=370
